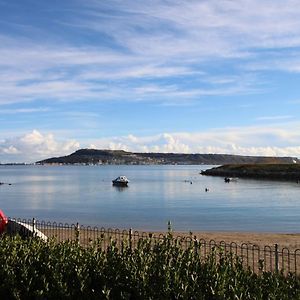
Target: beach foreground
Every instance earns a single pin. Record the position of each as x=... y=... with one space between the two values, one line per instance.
x=259 y=251
x=283 y=240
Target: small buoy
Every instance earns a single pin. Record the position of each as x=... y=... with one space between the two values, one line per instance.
x=191 y=182
x=206 y=189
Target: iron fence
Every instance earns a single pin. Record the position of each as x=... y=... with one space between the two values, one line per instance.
x=259 y=258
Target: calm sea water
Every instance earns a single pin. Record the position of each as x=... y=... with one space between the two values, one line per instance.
x=156 y=194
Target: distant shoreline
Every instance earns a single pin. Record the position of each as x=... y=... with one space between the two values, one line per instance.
x=16 y=164
x=120 y=157
x=283 y=172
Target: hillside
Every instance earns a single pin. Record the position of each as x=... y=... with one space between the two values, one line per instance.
x=258 y=171
x=93 y=156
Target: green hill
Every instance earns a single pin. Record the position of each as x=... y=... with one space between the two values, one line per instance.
x=94 y=156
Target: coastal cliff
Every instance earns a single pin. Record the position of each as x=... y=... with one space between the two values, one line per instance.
x=290 y=172
x=98 y=157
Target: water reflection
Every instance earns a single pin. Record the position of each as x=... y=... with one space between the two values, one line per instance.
x=120 y=188
x=156 y=194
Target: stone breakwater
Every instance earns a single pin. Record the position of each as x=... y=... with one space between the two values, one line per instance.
x=289 y=172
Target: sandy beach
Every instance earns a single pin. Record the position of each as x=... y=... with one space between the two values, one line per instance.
x=283 y=240
x=291 y=241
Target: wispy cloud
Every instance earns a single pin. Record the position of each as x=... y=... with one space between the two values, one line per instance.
x=206 y=27
x=80 y=75
x=24 y=110
x=157 y=41
x=274 y=118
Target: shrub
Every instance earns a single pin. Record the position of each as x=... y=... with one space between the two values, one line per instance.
x=34 y=269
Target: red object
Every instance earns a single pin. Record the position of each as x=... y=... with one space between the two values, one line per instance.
x=3 y=221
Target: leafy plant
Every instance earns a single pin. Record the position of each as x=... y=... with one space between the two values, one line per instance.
x=153 y=269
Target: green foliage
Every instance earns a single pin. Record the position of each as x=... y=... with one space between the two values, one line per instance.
x=34 y=269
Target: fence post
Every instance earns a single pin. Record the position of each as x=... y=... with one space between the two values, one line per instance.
x=169 y=227
x=276 y=259
x=33 y=226
x=195 y=245
x=130 y=238
x=77 y=233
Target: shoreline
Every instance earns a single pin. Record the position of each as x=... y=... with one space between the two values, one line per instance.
x=290 y=241
x=274 y=172
x=261 y=239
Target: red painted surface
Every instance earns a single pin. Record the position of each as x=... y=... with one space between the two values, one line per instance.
x=3 y=221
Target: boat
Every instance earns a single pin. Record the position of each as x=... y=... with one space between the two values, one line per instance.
x=13 y=227
x=230 y=179
x=24 y=230
x=121 y=181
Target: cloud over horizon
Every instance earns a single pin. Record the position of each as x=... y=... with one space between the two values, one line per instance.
x=35 y=145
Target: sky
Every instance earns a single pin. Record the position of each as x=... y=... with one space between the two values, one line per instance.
x=215 y=76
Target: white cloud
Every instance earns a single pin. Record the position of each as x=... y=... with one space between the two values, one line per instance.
x=34 y=146
x=280 y=140
x=269 y=141
x=10 y=150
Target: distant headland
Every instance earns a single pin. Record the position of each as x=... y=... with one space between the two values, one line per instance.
x=120 y=157
x=289 y=172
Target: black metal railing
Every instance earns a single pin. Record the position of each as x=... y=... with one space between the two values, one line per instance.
x=259 y=258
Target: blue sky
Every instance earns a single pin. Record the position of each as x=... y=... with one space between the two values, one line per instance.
x=215 y=76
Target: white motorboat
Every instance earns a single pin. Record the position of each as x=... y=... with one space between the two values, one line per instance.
x=121 y=181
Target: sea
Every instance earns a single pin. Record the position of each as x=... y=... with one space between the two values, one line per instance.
x=156 y=195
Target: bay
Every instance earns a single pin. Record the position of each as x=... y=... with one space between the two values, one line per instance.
x=156 y=194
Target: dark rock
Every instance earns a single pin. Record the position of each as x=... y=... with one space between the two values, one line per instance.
x=290 y=172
